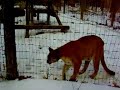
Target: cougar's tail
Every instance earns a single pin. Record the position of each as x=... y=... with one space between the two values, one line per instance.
x=104 y=64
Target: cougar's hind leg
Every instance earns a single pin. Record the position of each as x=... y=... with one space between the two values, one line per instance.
x=85 y=67
x=96 y=62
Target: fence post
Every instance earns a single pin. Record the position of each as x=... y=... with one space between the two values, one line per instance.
x=9 y=37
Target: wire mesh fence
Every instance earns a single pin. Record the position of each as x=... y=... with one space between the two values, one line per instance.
x=32 y=52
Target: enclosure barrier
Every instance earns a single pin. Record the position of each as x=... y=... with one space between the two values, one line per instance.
x=31 y=53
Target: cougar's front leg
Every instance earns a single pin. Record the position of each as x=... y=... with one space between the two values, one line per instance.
x=75 y=72
x=65 y=69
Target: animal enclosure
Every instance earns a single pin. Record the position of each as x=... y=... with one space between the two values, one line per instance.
x=32 y=52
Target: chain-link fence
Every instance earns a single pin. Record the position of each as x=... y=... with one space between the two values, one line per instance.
x=32 y=52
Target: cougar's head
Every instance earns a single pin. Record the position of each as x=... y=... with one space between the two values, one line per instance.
x=53 y=56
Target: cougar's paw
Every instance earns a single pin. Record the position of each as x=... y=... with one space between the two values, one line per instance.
x=72 y=79
x=64 y=77
x=81 y=72
x=92 y=76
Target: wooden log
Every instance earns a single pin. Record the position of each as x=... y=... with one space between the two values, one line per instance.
x=27 y=18
x=41 y=27
x=9 y=38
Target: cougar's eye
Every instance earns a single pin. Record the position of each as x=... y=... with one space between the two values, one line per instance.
x=54 y=60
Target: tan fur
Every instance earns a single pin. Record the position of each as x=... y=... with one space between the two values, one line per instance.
x=74 y=52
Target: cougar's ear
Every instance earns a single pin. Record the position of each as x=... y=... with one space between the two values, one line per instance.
x=50 y=49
